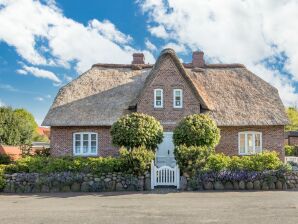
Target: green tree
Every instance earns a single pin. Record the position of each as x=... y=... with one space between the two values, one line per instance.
x=9 y=127
x=135 y=130
x=197 y=130
x=17 y=127
x=27 y=126
x=293 y=118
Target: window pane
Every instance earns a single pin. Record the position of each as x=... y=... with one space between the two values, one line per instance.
x=250 y=143
x=77 y=146
x=177 y=93
x=258 y=143
x=85 y=137
x=77 y=137
x=93 y=137
x=93 y=146
x=158 y=93
x=85 y=146
x=242 y=143
x=158 y=98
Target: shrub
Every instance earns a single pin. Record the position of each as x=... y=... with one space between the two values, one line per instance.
x=136 y=160
x=217 y=162
x=37 y=164
x=2 y=180
x=291 y=150
x=135 y=130
x=5 y=159
x=192 y=158
x=197 y=130
x=267 y=160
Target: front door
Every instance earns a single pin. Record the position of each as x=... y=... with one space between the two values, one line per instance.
x=165 y=151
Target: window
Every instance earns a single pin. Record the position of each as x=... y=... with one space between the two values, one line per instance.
x=85 y=143
x=250 y=142
x=158 y=98
x=177 y=98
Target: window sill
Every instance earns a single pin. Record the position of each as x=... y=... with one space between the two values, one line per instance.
x=85 y=155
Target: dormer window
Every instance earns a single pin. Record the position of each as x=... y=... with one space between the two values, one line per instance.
x=158 y=98
x=177 y=101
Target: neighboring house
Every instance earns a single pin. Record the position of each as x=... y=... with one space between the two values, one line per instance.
x=248 y=110
x=291 y=138
x=44 y=131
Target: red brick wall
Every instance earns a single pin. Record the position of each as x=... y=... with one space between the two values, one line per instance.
x=293 y=140
x=272 y=139
x=168 y=78
x=62 y=140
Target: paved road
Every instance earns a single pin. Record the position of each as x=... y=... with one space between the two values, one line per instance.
x=162 y=208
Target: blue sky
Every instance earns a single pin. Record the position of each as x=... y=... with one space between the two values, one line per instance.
x=46 y=44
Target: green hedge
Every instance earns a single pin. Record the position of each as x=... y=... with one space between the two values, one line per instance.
x=267 y=160
x=2 y=181
x=136 y=161
x=291 y=150
x=192 y=159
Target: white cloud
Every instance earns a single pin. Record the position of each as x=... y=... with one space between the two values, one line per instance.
x=8 y=87
x=41 y=73
x=149 y=45
x=179 y=48
x=39 y=98
x=234 y=31
x=34 y=28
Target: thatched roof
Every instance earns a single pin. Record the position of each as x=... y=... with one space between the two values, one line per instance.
x=232 y=95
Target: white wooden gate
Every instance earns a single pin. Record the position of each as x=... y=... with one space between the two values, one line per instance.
x=164 y=176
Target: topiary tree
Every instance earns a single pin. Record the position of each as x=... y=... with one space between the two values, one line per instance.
x=197 y=130
x=135 y=130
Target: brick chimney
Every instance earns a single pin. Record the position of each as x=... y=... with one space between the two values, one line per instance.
x=198 y=59
x=138 y=58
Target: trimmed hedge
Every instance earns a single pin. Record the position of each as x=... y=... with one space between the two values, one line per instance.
x=197 y=130
x=2 y=181
x=267 y=160
x=291 y=150
x=193 y=159
x=136 y=161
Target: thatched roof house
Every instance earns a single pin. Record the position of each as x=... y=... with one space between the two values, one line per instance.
x=230 y=93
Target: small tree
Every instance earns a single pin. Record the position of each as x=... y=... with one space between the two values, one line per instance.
x=135 y=130
x=197 y=130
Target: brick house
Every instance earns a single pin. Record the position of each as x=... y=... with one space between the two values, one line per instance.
x=247 y=109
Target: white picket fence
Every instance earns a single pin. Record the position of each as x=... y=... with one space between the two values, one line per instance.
x=164 y=176
x=291 y=159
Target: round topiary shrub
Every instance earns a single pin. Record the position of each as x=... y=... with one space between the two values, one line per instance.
x=135 y=130
x=197 y=130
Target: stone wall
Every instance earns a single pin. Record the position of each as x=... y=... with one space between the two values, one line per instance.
x=289 y=181
x=81 y=182
x=75 y=182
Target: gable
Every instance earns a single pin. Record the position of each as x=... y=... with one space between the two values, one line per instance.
x=168 y=77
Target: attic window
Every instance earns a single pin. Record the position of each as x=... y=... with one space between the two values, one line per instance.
x=85 y=144
x=177 y=98
x=249 y=142
x=158 y=98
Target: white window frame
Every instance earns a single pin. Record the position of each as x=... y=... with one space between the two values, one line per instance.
x=174 y=98
x=155 y=95
x=89 y=153
x=253 y=133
